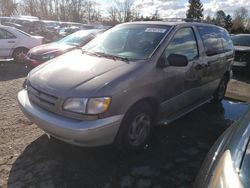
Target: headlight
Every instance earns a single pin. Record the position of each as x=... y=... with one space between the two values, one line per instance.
x=48 y=57
x=87 y=106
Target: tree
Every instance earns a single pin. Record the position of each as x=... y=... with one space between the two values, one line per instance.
x=121 y=11
x=156 y=16
x=208 y=19
x=239 y=22
x=195 y=10
x=8 y=7
x=220 y=18
x=228 y=22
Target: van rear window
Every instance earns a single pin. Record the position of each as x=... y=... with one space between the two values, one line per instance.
x=216 y=40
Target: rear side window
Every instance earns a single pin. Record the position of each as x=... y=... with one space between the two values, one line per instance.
x=183 y=43
x=216 y=40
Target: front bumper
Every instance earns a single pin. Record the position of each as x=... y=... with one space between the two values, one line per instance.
x=32 y=63
x=76 y=132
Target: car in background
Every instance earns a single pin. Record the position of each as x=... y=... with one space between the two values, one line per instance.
x=242 y=53
x=51 y=25
x=4 y=20
x=40 y=54
x=227 y=164
x=65 y=31
x=16 y=43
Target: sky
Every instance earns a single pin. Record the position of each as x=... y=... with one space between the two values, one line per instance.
x=178 y=8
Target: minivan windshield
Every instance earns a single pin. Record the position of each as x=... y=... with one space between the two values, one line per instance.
x=241 y=40
x=131 y=41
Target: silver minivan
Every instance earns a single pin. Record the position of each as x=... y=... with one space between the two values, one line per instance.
x=117 y=87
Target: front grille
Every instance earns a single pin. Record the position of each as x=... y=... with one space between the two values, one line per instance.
x=241 y=56
x=42 y=99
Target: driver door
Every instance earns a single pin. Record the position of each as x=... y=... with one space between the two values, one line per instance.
x=7 y=41
x=179 y=87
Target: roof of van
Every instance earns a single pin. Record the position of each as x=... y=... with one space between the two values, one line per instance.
x=172 y=23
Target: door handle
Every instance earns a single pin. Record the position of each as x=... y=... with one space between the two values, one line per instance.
x=200 y=66
x=11 y=41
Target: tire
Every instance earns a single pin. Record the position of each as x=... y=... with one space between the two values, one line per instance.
x=19 y=55
x=136 y=129
x=221 y=90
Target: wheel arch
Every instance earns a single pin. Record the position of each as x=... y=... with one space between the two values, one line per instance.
x=227 y=75
x=152 y=102
x=17 y=48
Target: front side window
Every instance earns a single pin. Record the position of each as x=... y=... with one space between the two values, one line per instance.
x=183 y=43
x=132 y=41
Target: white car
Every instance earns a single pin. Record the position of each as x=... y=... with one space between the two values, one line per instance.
x=15 y=43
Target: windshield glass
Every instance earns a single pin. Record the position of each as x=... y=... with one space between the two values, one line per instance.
x=132 y=41
x=78 y=37
x=241 y=40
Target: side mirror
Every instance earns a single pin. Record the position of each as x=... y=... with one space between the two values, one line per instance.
x=177 y=60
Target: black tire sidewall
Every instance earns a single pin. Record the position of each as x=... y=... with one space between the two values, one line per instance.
x=16 y=51
x=122 y=142
x=217 y=98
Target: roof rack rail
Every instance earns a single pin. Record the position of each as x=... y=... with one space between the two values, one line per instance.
x=183 y=20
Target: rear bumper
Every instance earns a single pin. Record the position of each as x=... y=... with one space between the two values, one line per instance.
x=76 y=132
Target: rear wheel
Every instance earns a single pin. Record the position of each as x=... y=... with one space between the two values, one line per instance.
x=221 y=90
x=19 y=55
x=136 y=129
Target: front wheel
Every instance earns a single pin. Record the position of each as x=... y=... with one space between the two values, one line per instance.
x=221 y=90
x=19 y=55
x=136 y=129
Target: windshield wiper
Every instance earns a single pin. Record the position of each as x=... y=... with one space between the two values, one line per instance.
x=114 y=57
x=90 y=53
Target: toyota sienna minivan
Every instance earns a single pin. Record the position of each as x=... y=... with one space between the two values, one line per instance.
x=119 y=85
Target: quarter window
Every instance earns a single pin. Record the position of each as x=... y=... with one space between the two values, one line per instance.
x=183 y=43
x=216 y=40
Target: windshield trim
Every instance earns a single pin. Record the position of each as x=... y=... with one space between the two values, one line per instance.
x=162 y=40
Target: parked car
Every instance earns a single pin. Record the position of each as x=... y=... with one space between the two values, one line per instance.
x=124 y=80
x=227 y=164
x=16 y=43
x=65 y=31
x=40 y=54
x=242 y=52
x=3 y=20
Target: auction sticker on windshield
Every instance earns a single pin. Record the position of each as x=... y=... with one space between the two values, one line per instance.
x=155 y=30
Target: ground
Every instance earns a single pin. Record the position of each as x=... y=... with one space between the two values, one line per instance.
x=29 y=159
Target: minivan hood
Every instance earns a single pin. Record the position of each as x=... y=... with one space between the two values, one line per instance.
x=69 y=71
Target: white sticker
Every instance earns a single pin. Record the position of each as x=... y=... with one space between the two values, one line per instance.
x=155 y=30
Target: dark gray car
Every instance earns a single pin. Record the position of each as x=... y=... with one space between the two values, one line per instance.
x=120 y=84
x=227 y=163
x=242 y=53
